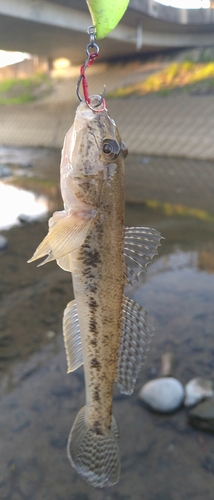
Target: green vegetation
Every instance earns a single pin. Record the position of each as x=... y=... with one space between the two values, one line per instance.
x=171 y=209
x=187 y=75
x=19 y=91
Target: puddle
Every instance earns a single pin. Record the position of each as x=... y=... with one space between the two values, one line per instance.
x=180 y=298
x=161 y=456
x=26 y=192
x=21 y=156
x=16 y=204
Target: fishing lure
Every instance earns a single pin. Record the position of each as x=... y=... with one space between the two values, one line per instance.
x=106 y=14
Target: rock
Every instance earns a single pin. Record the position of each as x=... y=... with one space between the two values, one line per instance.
x=24 y=218
x=196 y=390
x=50 y=334
x=202 y=416
x=58 y=441
x=208 y=463
x=84 y=496
x=163 y=394
x=3 y=242
x=62 y=391
x=144 y=159
x=22 y=419
x=167 y=364
x=26 y=165
x=153 y=372
x=6 y=340
x=8 y=354
x=37 y=406
x=5 y=490
x=30 y=477
x=16 y=496
x=4 y=171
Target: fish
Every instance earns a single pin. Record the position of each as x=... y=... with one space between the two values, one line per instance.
x=104 y=330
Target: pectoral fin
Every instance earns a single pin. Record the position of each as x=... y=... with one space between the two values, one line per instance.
x=65 y=235
x=140 y=246
x=72 y=340
x=66 y=263
x=135 y=337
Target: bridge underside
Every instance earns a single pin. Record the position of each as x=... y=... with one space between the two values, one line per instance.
x=58 y=29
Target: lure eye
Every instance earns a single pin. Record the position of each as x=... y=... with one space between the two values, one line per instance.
x=111 y=149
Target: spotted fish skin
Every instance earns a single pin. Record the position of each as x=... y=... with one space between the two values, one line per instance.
x=103 y=330
x=98 y=279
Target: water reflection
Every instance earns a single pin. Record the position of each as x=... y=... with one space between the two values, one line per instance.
x=20 y=196
x=198 y=260
x=21 y=156
x=15 y=202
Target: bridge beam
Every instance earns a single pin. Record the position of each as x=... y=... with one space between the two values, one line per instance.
x=54 y=30
x=43 y=12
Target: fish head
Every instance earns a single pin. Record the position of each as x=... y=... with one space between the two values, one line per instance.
x=91 y=145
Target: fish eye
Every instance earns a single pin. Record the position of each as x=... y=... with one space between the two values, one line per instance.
x=107 y=148
x=111 y=148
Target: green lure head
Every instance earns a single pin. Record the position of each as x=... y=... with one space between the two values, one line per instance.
x=106 y=14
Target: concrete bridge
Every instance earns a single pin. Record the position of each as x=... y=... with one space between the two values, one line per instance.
x=57 y=28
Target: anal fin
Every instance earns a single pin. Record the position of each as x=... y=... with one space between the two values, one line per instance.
x=72 y=339
x=140 y=246
x=135 y=337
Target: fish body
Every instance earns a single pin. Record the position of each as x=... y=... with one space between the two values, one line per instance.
x=102 y=328
x=98 y=281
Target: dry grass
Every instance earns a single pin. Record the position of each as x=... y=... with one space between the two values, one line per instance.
x=185 y=75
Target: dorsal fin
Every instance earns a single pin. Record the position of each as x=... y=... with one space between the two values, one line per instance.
x=135 y=337
x=140 y=246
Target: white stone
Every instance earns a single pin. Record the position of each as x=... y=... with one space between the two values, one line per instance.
x=198 y=389
x=163 y=394
x=3 y=242
x=167 y=364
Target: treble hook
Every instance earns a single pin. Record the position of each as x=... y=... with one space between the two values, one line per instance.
x=91 y=56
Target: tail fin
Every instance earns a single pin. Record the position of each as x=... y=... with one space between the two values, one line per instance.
x=96 y=457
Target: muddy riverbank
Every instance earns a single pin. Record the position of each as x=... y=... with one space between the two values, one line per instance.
x=162 y=457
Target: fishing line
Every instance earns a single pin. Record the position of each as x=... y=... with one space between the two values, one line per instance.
x=91 y=56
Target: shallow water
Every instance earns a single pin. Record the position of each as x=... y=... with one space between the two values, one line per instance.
x=162 y=457
x=17 y=203
x=16 y=171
